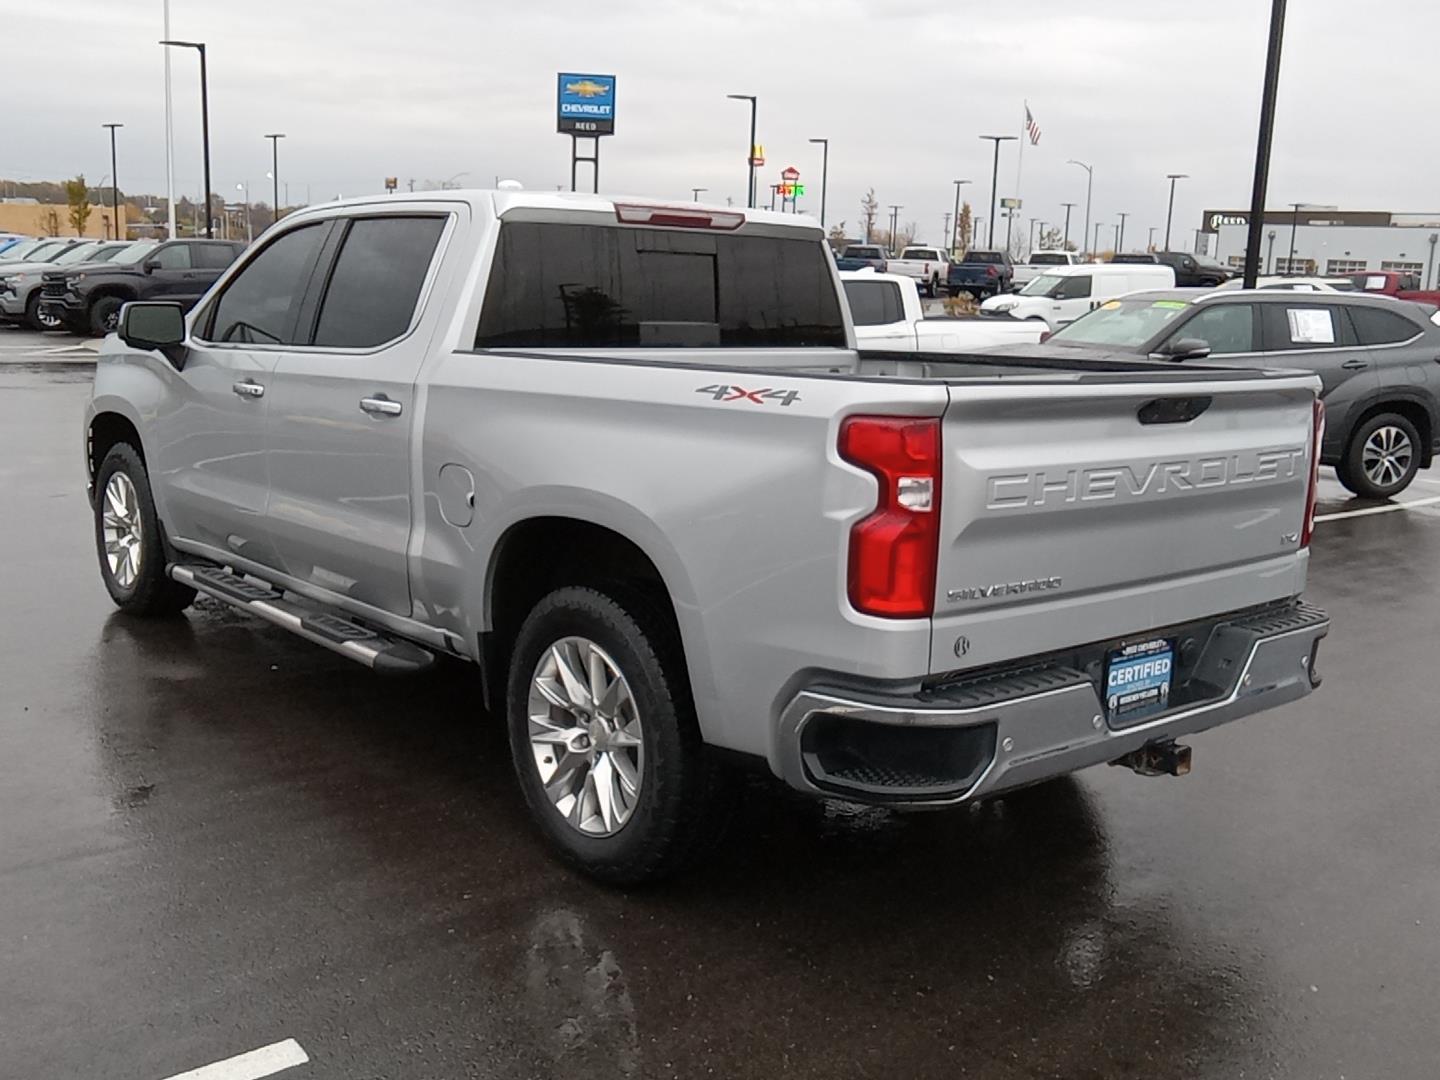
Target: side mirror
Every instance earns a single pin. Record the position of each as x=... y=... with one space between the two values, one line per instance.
x=150 y=265
x=157 y=326
x=1184 y=349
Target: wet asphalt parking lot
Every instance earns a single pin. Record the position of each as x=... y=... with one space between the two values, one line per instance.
x=215 y=838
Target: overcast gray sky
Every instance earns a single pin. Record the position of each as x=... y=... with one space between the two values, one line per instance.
x=431 y=88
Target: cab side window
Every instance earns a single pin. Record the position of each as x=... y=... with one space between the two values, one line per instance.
x=172 y=257
x=1376 y=327
x=260 y=304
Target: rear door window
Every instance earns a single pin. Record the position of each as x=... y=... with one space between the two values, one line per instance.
x=1300 y=326
x=1376 y=327
x=591 y=286
x=376 y=282
x=259 y=304
x=173 y=257
x=214 y=256
x=874 y=303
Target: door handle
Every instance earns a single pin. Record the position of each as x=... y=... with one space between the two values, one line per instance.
x=248 y=389
x=381 y=406
x=1355 y=365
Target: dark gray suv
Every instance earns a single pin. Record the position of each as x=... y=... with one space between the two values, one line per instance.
x=1376 y=356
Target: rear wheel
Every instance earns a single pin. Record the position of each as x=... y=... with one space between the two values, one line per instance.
x=128 y=539
x=604 y=737
x=105 y=315
x=1382 y=458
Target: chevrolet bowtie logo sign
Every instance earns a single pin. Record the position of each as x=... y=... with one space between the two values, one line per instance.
x=585 y=88
x=585 y=104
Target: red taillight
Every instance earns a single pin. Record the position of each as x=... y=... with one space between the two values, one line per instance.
x=1317 y=436
x=990 y=271
x=678 y=217
x=893 y=551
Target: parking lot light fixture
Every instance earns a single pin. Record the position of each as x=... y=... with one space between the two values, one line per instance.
x=750 y=153
x=1120 y=235
x=995 y=177
x=1065 y=242
x=1089 y=189
x=114 y=182
x=275 y=169
x=824 y=174
x=199 y=46
x=1170 y=213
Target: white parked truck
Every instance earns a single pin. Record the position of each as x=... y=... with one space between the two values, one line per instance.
x=928 y=267
x=1041 y=262
x=889 y=317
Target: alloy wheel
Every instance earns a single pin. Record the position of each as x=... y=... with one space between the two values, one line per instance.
x=120 y=519
x=586 y=736
x=1386 y=456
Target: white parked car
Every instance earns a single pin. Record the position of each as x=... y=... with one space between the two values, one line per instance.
x=928 y=267
x=1063 y=294
x=889 y=317
x=1296 y=284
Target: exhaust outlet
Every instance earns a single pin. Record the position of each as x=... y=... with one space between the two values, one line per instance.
x=1163 y=758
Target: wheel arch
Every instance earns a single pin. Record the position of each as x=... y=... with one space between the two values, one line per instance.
x=105 y=429
x=539 y=553
x=1412 y=407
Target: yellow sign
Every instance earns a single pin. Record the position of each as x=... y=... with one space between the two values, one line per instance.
x=586 y=88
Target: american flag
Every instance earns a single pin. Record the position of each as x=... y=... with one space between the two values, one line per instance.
x=1031 y=127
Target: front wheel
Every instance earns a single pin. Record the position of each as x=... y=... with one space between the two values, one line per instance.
x=1382 y=458
x=604 y=737
x=105 y=315
x=128 y=541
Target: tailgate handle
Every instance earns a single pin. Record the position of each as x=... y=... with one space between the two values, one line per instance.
x=1173 y=410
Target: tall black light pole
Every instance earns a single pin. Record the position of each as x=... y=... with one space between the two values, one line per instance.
x=1268 y=95
x=275 y=168
x=114 y=181
x=954 y=247
x=1294 y=228
x=824 y=174
x=995 y=178
x=199 y=46
x=1170 y=213
x=1120 y=236
x=695 y=193
x=1089 y=188
x=894 y=227
x=749 y=154
x=1065 y=244
x=1095 y=250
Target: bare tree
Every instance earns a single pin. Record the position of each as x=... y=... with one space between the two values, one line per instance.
x=837 y=236
x=869 y=211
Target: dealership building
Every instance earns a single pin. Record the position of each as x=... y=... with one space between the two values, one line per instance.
x=1327 y=241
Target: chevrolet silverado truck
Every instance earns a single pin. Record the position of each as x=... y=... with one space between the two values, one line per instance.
x=625 y=459
x=863 y=257
x=928 y=267
x=888 y=316
x=88 y=301
x=981 y=273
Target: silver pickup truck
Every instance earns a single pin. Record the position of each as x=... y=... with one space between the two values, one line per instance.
x=625 y=459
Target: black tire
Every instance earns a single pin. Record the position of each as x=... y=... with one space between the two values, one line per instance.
x=669 y=820
x=151 y=591
x=32 y=312
x=105 y=315
x=1385 y=480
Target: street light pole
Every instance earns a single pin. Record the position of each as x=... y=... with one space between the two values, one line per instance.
x=695 y=193
x=199 y=46
x=1294 y=227
x=275 y=168
x=1089 y=187
x=1095 y=250
x=995 y=178
x=1269 y=256
x=1120 y=236
x=249 y=230
x=1170 y=213
x=955 y=247
x=1065 y=243
x=894 y=227
x=824 y=174
x=750 y=154
x=114 y=182
x=1262 y=149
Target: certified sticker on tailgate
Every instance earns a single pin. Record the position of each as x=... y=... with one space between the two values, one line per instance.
x=1138 y=677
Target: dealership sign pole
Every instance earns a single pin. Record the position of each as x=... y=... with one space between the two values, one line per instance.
x=585 y=109
x=1262 y=150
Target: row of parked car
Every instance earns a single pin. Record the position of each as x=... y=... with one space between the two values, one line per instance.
x=79 y=285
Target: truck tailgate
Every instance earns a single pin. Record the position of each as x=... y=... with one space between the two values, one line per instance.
x=1079 y=513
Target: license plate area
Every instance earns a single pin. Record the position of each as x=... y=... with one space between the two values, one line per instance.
x=1138 y=681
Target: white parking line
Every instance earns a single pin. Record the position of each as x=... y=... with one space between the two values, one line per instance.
x=1390 y=508
x=267 y=1061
